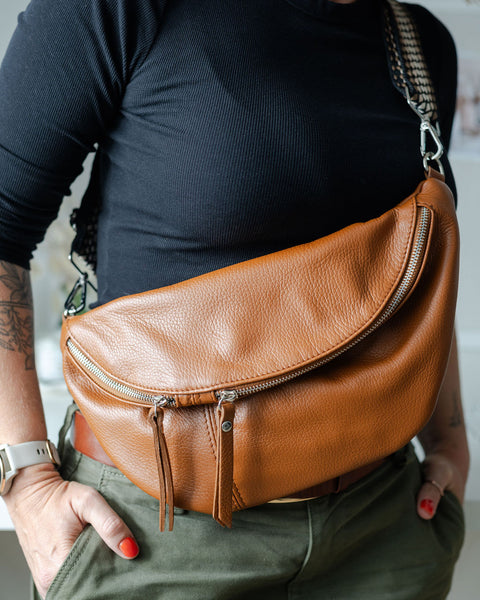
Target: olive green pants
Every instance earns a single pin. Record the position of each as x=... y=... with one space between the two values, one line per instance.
x=364 y=543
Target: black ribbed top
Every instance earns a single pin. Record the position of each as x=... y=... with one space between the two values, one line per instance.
x=226 y=129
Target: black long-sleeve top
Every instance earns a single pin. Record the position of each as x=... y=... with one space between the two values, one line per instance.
x=225 y=129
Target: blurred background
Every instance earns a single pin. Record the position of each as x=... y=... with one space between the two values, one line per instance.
x=53 y=277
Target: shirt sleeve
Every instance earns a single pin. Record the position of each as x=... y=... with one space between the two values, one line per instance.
x=61 y=85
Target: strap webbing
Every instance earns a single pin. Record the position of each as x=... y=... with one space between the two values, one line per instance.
x=408 y=68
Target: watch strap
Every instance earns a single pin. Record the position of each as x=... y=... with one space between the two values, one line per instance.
x=26 y=454
x=31 y=453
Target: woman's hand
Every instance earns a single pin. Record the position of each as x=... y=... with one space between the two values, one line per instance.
x=444 y=441
x=447 y=475
x=49 y=514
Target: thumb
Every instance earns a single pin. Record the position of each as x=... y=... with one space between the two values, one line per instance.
x=91 y=507
x=428 y=499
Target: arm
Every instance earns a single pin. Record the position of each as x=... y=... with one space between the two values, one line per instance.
x=77 y=57
x=444 y=437
x=444 y=440
x=48 y=513
x=22 y=419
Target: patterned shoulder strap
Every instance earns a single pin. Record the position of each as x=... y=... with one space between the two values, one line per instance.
x=408 y=68
x=410 y=76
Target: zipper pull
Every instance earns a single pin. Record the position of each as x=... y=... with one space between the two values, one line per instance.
x=226 y=396
x=165 y=479
x=164 y=401
x=223 y=497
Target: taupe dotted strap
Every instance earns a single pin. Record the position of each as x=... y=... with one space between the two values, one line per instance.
x=408 y=67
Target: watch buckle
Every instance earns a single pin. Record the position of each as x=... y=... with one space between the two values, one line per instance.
x=53 y=454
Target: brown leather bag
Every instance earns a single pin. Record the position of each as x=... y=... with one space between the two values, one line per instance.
x=304 y=364
x=270 y=376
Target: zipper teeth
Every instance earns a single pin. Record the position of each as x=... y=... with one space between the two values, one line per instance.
x=123 y=389
x=402 y=290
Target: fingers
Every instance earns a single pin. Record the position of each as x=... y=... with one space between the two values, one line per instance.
x=49 y=515
x=91 y=507
x=438 y=473
x=428 y=499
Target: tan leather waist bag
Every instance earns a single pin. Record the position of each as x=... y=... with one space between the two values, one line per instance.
x=273 y=375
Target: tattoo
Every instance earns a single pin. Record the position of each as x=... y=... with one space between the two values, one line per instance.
x=456 y=418
x=16 y=313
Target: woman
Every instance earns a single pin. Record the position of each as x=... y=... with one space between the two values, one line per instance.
x=225 y=130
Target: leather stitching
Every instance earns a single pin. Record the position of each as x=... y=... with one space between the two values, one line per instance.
x=208 y=418
x=208 y=425
x=240 y=502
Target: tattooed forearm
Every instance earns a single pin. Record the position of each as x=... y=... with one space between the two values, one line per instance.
x=456 y=418
x=16 y=312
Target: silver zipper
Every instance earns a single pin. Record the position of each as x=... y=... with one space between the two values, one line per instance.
x=401 y=292
x=232 y=394
x=121 y=388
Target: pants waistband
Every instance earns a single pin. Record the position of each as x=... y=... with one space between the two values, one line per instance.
x=84 y=441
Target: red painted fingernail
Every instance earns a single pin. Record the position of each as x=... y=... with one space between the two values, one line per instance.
x=427 y=505
x=129 y=547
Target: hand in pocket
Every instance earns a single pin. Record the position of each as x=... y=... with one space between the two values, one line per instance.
x=49 y=514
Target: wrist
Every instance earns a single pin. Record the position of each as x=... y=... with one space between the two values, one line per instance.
x=17 y=462
x=452 y=442
x=455 y=447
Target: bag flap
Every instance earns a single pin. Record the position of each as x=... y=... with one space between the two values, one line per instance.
x=254 y=320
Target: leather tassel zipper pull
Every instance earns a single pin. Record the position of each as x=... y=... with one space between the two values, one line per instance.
x=155 y=418
x=222 y=503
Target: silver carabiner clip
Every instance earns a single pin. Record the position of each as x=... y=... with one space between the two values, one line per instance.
x=427 y=127
x=80 y=285
x=428 y=157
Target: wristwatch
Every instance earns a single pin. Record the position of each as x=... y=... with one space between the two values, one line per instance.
x=19 y=456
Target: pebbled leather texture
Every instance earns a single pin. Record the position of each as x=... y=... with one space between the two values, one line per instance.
x=230 y=327
x=263 y=318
